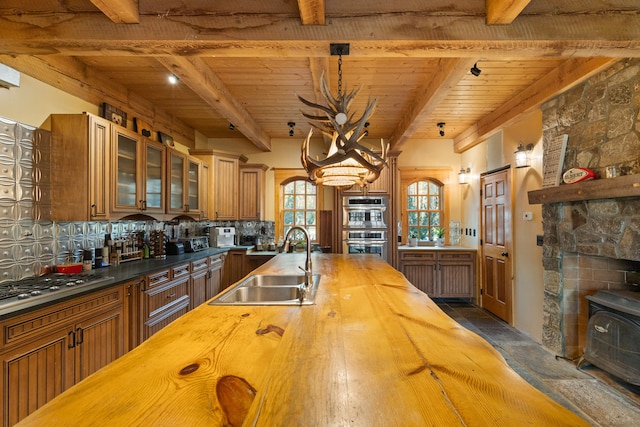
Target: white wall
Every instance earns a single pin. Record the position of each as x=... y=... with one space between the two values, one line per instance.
x=34 y=101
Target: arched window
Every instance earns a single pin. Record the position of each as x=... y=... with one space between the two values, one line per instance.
x=299 y=207
x=425 y=212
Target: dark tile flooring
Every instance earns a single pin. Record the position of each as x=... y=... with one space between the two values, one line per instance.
x=596 y=396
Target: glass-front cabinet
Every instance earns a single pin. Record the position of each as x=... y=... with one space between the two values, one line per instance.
x=139 y=171
x=184 y=177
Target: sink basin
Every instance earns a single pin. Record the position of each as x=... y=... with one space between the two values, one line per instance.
x=266 y=289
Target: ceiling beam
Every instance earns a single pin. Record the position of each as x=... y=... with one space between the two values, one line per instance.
x=373 y=35
x=570 y=73
x=75 y=78
x=503 y=12
x=203 y=81
x=119 y=11
x=449 y=73
x=311 y=12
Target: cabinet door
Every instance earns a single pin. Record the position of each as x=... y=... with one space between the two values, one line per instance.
x=251 y=192
x=132 y=312
x=420 y=268
x=35 y=373
x=214 y=284
x=204 y=191
x=193 y=186
x=234 y=267
x=225 y=190
x=127 y=194
x=176 y=179
x=99 y=147
x=199 y=278
x=456 y=274
x=99 y=340
x=153 y=190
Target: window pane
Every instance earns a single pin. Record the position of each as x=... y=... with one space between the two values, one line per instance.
x=300 y=202
x=433 y=188
x=312 y=232
x=311 y=218
x=423 y=187
x=412 y=202
x=424 y=218
x=288 y=189
x=288 y=218
x=311 y=189
x=412 y=218
x=288 y=202
x=311 y=202
x=435 y=219
x=423 y=203
x=424 y=234
x=300 y=218
x=434 y=202
x=412 y=189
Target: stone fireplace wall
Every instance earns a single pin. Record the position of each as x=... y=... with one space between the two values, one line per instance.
x=593 y=244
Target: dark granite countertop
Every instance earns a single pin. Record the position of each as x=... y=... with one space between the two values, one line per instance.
x=115 y=274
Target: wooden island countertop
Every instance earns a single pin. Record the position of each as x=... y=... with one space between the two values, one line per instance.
x=372 y=351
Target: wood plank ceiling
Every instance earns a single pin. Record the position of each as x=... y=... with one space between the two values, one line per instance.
x=243 y=62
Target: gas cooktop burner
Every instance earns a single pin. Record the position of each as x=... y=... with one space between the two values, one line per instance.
x=35 y=287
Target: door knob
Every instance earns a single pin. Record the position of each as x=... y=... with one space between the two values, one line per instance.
x=505 y=254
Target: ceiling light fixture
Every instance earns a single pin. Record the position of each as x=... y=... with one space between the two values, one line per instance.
x=232 y=126
x=347 y=162
x=292 y=126
x=522 y=155
x=173 y=79
x=441 y=128
x=475 y=70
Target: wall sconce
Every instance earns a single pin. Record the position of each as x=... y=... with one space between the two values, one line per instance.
x=292 y=126
x=522 y=156
x=463 y=176
x=441 y=128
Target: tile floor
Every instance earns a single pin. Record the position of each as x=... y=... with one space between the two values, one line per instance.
x=590 y=392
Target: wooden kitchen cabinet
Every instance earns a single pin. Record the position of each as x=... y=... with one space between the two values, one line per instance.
x=216 y=271
x=184 y=184
x=234 y=266
x=79 y=171
x=138 y=173
x=198 y=282
x=133 y=312
x=47 y=351
x=440 y=273
x=223 y=182
x=164 y=298
x=252 y=189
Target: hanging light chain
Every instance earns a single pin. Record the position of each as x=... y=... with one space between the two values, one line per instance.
x=339 y=75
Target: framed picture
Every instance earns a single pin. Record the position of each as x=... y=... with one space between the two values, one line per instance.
x=142 y=128
x=165 y=139
x=110 y=112
x=554 y=151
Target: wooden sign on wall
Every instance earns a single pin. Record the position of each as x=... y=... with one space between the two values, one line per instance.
x=553 y=160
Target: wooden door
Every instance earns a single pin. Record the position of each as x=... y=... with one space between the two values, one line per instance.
x=496 y=243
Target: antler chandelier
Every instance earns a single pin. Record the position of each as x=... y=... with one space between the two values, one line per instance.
x=347 y=162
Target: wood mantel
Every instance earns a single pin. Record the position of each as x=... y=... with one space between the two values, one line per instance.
x=612 y=188
x=373 y=350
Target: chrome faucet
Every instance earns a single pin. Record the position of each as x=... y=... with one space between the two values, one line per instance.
x=308 y=275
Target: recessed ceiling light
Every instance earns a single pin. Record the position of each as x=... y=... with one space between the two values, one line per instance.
x=173 y=79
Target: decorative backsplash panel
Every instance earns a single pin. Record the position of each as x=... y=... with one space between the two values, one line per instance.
x=28 y=245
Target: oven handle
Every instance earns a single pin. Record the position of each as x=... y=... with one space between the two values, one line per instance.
x=366 y=242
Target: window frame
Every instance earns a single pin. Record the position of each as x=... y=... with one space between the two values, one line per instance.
x=282 y=178
x=440 y=176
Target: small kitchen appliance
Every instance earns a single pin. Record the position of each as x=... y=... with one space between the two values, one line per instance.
x=223 y=237
x=195 y=244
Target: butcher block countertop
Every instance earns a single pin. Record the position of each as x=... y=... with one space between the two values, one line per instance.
x=372 y=351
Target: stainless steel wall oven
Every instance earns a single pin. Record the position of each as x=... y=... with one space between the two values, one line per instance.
x=364 y=227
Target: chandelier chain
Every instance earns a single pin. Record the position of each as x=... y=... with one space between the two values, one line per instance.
x=339 y=75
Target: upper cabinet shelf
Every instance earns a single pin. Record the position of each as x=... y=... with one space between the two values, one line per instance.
x=611 y=188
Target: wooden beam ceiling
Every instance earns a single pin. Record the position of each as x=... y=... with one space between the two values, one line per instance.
x=502 y=12
x=119 y=11
x=311 y=12
x=198 y=76
x=560 y=79
x=449 y=72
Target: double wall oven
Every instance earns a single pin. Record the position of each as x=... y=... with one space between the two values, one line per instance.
x=364 y=227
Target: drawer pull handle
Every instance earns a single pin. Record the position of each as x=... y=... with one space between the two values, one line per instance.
x=173 y=295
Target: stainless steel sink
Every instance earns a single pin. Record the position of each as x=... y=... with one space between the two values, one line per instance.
x=265 y=289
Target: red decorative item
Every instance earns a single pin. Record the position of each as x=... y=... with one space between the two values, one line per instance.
x=70 y=268
x=574 y=175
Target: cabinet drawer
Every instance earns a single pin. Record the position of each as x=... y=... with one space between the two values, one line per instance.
x=216 y=262
x=161 y=298
x=456 y=256
x=422 y=255
x=32 y=325
x=199 y=265
x=159 y=278
x=181 y=270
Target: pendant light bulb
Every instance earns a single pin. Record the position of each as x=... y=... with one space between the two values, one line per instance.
x=341 y=118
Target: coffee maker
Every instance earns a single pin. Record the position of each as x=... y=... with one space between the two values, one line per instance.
x=223 y=237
